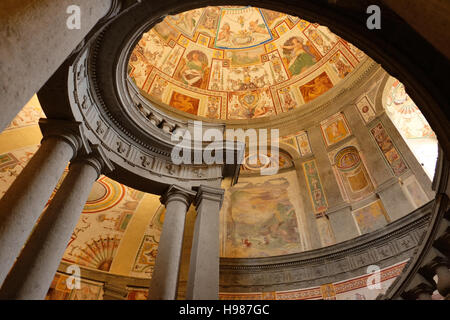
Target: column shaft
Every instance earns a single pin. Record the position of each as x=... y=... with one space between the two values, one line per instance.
x=313 y=232
x=203 y=281
x=33 y=272
x=36 y=40
x=164 y=282
x=329 y=183
x=24 y=201
x=408 y=156
x=376 y=165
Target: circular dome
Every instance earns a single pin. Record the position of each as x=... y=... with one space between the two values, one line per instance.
x=234 y=63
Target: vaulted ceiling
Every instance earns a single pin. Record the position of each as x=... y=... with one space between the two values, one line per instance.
x=234 y=63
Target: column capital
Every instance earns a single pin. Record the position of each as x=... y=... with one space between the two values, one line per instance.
x=209 y=193
x=96 y=158
x=69 y=131
x=177 y=193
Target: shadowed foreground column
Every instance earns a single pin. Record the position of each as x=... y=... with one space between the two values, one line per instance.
x=164 y=283
x=36 y=266
x=36 y=39
x=25 y=200
x=203 y=281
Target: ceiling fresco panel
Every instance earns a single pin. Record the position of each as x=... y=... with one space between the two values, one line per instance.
x=259 y=62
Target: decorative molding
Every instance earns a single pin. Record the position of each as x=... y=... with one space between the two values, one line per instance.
x=176 y=193
x=209 y=193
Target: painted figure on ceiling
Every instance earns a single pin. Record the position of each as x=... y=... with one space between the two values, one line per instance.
x=209 y=21
x=316 y=36
x=287 y=100
x=343 y=68
x=186 y=20
x=194 y=71
x=300 y=56
x=184 y=103
x=225 y=33
x=255 y=27
x=316 y=87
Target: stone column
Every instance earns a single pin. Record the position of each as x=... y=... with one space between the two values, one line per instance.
x=164 y=282
x=36 y=40
x=203 y=281
x=25 y=200
x=33 y=272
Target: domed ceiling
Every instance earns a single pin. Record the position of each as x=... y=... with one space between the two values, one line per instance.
x=239 y=62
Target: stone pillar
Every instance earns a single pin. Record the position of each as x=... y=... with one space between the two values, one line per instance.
x=203 y=282
x=25 y=200
x=329 y=183
x=164 y=282
x=376 y=165
x=394 y=200
x=343 y=224
x=310 y=216
x=408 y=156
x=35 y=268
x=36 y=40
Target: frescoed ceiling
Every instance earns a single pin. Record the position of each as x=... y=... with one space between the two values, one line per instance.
x=239 y=62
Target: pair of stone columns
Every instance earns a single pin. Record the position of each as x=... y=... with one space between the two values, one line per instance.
x=203 y=281
x=35 y=258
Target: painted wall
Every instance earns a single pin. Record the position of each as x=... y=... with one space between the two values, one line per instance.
x=263 y=216
x=411 y=124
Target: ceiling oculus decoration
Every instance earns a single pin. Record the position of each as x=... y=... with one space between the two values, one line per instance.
x=235 y=63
